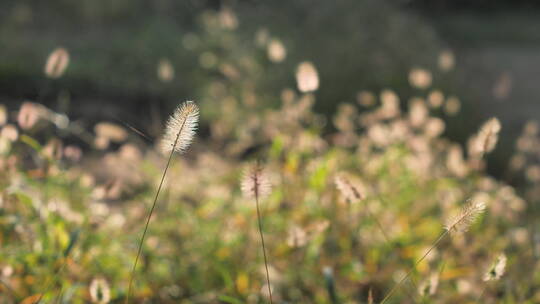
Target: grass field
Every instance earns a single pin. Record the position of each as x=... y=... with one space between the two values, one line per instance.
x=236 y=199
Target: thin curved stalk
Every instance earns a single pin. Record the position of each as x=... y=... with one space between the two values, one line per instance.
x=415 y=286
x=441 y=237
x=263 y=246
x=387 y=239
x=141 y=242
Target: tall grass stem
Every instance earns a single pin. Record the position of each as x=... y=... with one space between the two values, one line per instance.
x=132 y=276
x=263 y=246
x=441 y=237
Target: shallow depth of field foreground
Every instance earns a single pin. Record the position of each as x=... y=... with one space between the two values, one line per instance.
x=252 y=174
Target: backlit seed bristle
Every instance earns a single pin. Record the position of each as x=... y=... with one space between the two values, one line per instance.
x=255 y=182
x=496 y=271
x=181 y=128
x=276 y=51
x=165 y=70
x=486 y=139
x=307 y=77
x=465 y=218
x=347 y=188
x=57 y=63
x=428 y=286
x=99 y=291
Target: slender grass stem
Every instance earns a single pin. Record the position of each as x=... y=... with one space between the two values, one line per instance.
x=481 y=294
x=441 y=237
x=467 y=215
x=263 y=246
x=379 y=225
x=387 y=239
x=413 y=282
x=141 y=242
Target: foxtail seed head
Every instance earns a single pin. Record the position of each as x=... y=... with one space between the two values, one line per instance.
x=255 y=182
x=100 y=291
x=466 y=217
x=181 y=128
x=496 y=271
x=57 y=63
x=486 y=139
x=347 y=188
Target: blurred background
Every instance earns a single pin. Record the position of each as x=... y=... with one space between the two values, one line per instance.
x=393 y=97
x=491 y=48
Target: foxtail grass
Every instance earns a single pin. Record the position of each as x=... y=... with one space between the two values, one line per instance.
x=353 y=194
x=255 y=185
x=179 y=133
x=493 y=274
x=457 y=224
